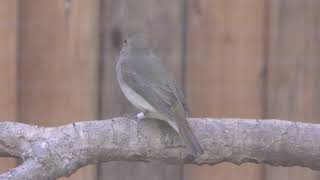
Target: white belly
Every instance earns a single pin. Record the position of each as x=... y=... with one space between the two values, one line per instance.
x=141 y=104
x=135 y=98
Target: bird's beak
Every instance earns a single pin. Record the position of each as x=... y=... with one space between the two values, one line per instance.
x=125 y=43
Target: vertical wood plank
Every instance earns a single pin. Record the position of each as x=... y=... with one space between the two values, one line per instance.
x=293 y=70
x=225 y=62
x=8 y=68
x=161 y=22
x=59 y=54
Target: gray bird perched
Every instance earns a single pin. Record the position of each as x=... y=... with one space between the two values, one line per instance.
x=148 y=86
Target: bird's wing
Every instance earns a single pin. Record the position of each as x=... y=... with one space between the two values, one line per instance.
x=157 y=92
x=182 y=98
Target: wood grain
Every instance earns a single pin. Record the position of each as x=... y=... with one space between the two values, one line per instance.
x=58 y=73
x=161 y=22
x=8 y=68
x=293 y=70
x=225 y=63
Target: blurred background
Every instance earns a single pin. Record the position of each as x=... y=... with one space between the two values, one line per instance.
x=233 y=58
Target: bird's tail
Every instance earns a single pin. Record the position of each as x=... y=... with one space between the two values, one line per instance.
x=188 y=137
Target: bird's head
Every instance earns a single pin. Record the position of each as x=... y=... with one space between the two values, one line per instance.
x=136 y=41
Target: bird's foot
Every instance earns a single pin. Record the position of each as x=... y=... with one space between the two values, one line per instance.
x=131 y=115
x=141 y=116
x=136 y=116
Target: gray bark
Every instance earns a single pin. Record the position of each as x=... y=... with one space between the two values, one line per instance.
x=49 y=153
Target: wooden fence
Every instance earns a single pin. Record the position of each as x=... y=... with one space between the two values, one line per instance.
x=233 y=58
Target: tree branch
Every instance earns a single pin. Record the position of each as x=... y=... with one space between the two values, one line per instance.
x=48 y=153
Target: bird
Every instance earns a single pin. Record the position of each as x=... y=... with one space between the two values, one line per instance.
x=146 y=83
